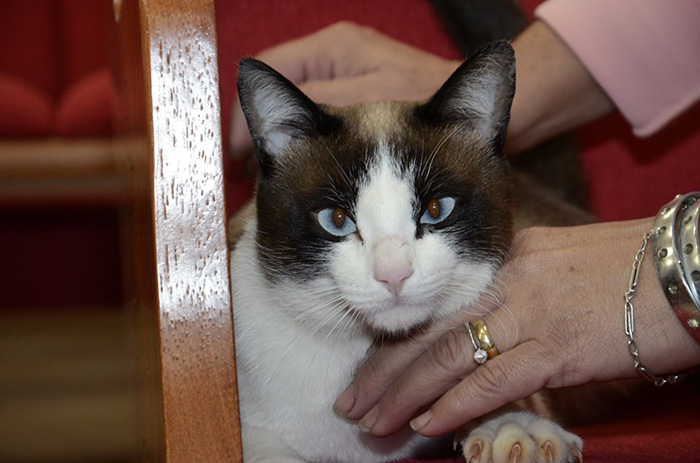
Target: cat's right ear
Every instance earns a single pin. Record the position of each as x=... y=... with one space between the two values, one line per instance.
x=277 y=112
x=478 y=95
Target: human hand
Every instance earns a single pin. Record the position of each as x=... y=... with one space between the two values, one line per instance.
x=560 y=324
x=345 y=64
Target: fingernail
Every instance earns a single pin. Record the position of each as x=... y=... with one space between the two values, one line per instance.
x=420 y=421
x=369 y=420
x=344 y=403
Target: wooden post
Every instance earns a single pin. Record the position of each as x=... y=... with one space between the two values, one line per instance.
x=176 y=253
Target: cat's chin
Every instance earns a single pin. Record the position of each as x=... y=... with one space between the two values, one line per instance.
x=399 y=319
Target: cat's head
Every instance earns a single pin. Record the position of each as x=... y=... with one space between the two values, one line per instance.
x=382 y=216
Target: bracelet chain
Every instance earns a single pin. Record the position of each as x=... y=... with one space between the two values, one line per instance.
x=643 y=371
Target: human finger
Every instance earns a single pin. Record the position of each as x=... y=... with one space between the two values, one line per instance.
x=336 y=51
x=383 y=364
x=435 y=372
x=504 y=379
x=355 y=55
x=347 y=91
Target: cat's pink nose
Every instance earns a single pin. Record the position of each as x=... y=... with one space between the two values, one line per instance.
x=393 y=263
x=394 y=279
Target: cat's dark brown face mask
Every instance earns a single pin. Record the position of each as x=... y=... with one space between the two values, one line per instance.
x=314 y=158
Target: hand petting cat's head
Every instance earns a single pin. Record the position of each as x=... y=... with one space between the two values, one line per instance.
x=382 y=216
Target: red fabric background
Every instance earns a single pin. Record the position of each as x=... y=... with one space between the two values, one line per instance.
x=54 y=68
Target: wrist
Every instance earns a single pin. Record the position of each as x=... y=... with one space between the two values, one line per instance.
x=665 y=339
x=675 y=246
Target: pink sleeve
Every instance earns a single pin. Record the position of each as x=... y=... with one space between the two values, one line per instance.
x=645 y=54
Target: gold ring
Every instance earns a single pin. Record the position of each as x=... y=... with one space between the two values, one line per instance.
x=480 y=355
x=482 y=334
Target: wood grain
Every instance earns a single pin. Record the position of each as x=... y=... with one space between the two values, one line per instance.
x=179 y=278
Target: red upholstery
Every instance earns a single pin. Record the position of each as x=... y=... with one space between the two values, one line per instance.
x=55 y=81
x=48 y=48
x=628 y=178
x=633 y=177
x=86 y=107
x=25 y=111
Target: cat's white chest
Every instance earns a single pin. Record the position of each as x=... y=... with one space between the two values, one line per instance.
x=289 y=377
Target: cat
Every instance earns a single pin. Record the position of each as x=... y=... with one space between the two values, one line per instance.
x=371 y=220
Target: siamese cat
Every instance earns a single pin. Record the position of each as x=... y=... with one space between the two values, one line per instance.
x=371 y=221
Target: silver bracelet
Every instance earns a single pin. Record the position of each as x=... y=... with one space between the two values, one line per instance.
x=643 y=371
x=688 y=251
x=675 y=245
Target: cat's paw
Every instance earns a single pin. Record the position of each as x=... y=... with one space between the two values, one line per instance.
x=521 y=438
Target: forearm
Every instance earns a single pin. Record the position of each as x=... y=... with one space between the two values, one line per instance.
x=554 y=92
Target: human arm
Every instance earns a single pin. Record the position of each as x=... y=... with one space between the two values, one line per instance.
x=346 y=63
x=554 y=93
x=642 y=53
x=560 y=324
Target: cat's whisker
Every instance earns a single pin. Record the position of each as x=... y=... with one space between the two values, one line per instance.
x=322 y=309
x=348 y=183
x=429 y=165
x=333 y=310
x=348 y=318
x=511 y=337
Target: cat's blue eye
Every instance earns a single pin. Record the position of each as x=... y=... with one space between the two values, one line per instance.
x=336 y=222
x=438 y=210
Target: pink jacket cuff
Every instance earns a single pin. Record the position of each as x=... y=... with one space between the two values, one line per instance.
x=644 y=54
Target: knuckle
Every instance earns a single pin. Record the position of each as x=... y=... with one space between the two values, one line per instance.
x=491 y=379
x=345 y=30
x=376 y=371
x=372 y=366
x=450 y=352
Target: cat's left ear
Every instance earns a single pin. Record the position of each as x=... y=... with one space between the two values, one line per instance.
x=478 y=95
x=277 y=112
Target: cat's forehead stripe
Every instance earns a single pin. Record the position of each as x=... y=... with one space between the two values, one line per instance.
x=376 y=119
x=385 y=203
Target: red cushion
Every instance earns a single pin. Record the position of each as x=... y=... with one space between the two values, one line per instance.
x=25 y=111
x=82 y=32
x=632 y=177
x=87 y=106
x=29 y=50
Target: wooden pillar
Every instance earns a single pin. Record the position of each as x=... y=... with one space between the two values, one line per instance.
x=176 y=254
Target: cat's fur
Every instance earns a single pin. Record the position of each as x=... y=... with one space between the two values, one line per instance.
x=311 y=295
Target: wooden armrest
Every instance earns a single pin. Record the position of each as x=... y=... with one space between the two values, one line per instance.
x=178 y=274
